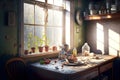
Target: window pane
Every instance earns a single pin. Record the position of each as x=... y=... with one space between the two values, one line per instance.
x=50 y=17
x=28 y=36
x=39 y=30
x=55 y=18
x=28 y=13
x=54 y=35
x=67 y=28
x=67 y=5
x=41 y=0
x=58 y=18
x=58 y=2
x=39 y=15
x=50 y=1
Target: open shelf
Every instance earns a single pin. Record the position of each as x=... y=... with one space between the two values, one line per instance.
x=103 y=16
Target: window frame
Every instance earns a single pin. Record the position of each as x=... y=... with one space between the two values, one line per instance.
x=21 y=28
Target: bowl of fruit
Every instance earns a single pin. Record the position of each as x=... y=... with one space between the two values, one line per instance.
x=72 y=59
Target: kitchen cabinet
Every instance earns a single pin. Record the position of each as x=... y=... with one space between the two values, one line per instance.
x=105 y=67
x=92 y=74
x=106 y=71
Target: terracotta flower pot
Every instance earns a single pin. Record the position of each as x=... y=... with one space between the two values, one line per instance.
x=46 y=48
x=54 y=48
x=40 y=49
x=26 y=52
x=33 y=49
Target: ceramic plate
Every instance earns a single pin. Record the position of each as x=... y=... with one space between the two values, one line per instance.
x=73 y=64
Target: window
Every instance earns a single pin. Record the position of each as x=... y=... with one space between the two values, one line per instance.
x=46 y=22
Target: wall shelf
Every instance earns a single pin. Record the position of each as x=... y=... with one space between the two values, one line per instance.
x=102 y=9
x=103 y=16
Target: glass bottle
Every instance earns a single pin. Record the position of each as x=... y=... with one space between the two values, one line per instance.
x=85 y=49
x=74 y=52
x=108 y=6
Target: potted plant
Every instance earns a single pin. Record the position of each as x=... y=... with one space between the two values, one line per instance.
x=26 y=51
x=26 y=48
x=33 y=49
x=46 y=48
x=54 y=48
x=31 y=42
x=39 y=43
x=27 y=44
x=46 y=43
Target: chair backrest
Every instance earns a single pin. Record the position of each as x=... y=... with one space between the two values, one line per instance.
x=16 y=69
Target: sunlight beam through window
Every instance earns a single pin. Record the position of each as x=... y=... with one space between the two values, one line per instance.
x=114 y=42
x=100 y=37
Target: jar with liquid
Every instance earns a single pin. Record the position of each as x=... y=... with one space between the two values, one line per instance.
x=74 y=52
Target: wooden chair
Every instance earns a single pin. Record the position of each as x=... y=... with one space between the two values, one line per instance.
x=16 y=69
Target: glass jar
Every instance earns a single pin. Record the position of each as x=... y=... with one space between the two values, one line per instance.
x=85 y=49
x=74 y=52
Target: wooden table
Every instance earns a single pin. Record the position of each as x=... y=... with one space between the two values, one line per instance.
x=55 y=71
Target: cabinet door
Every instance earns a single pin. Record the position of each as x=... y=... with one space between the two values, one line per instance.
x=88 y=75
x=106 y=67
x=106 y=72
